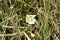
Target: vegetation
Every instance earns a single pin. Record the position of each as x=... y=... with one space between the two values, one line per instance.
x=13 y=24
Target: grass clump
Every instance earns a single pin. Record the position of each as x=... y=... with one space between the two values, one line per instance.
x=13 y=24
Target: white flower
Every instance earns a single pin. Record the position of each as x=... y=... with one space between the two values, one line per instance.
x=30 y=19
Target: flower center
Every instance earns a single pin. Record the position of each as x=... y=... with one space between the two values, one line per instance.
x=30 y=18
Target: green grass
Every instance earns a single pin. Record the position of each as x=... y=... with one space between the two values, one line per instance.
x=13 y=24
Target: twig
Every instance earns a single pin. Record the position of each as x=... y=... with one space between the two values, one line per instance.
x=26 y=36
x=1 y=35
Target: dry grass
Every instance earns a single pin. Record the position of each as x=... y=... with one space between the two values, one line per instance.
x=13 y=25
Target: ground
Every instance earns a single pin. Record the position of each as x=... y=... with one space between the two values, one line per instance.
x=13 y=24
